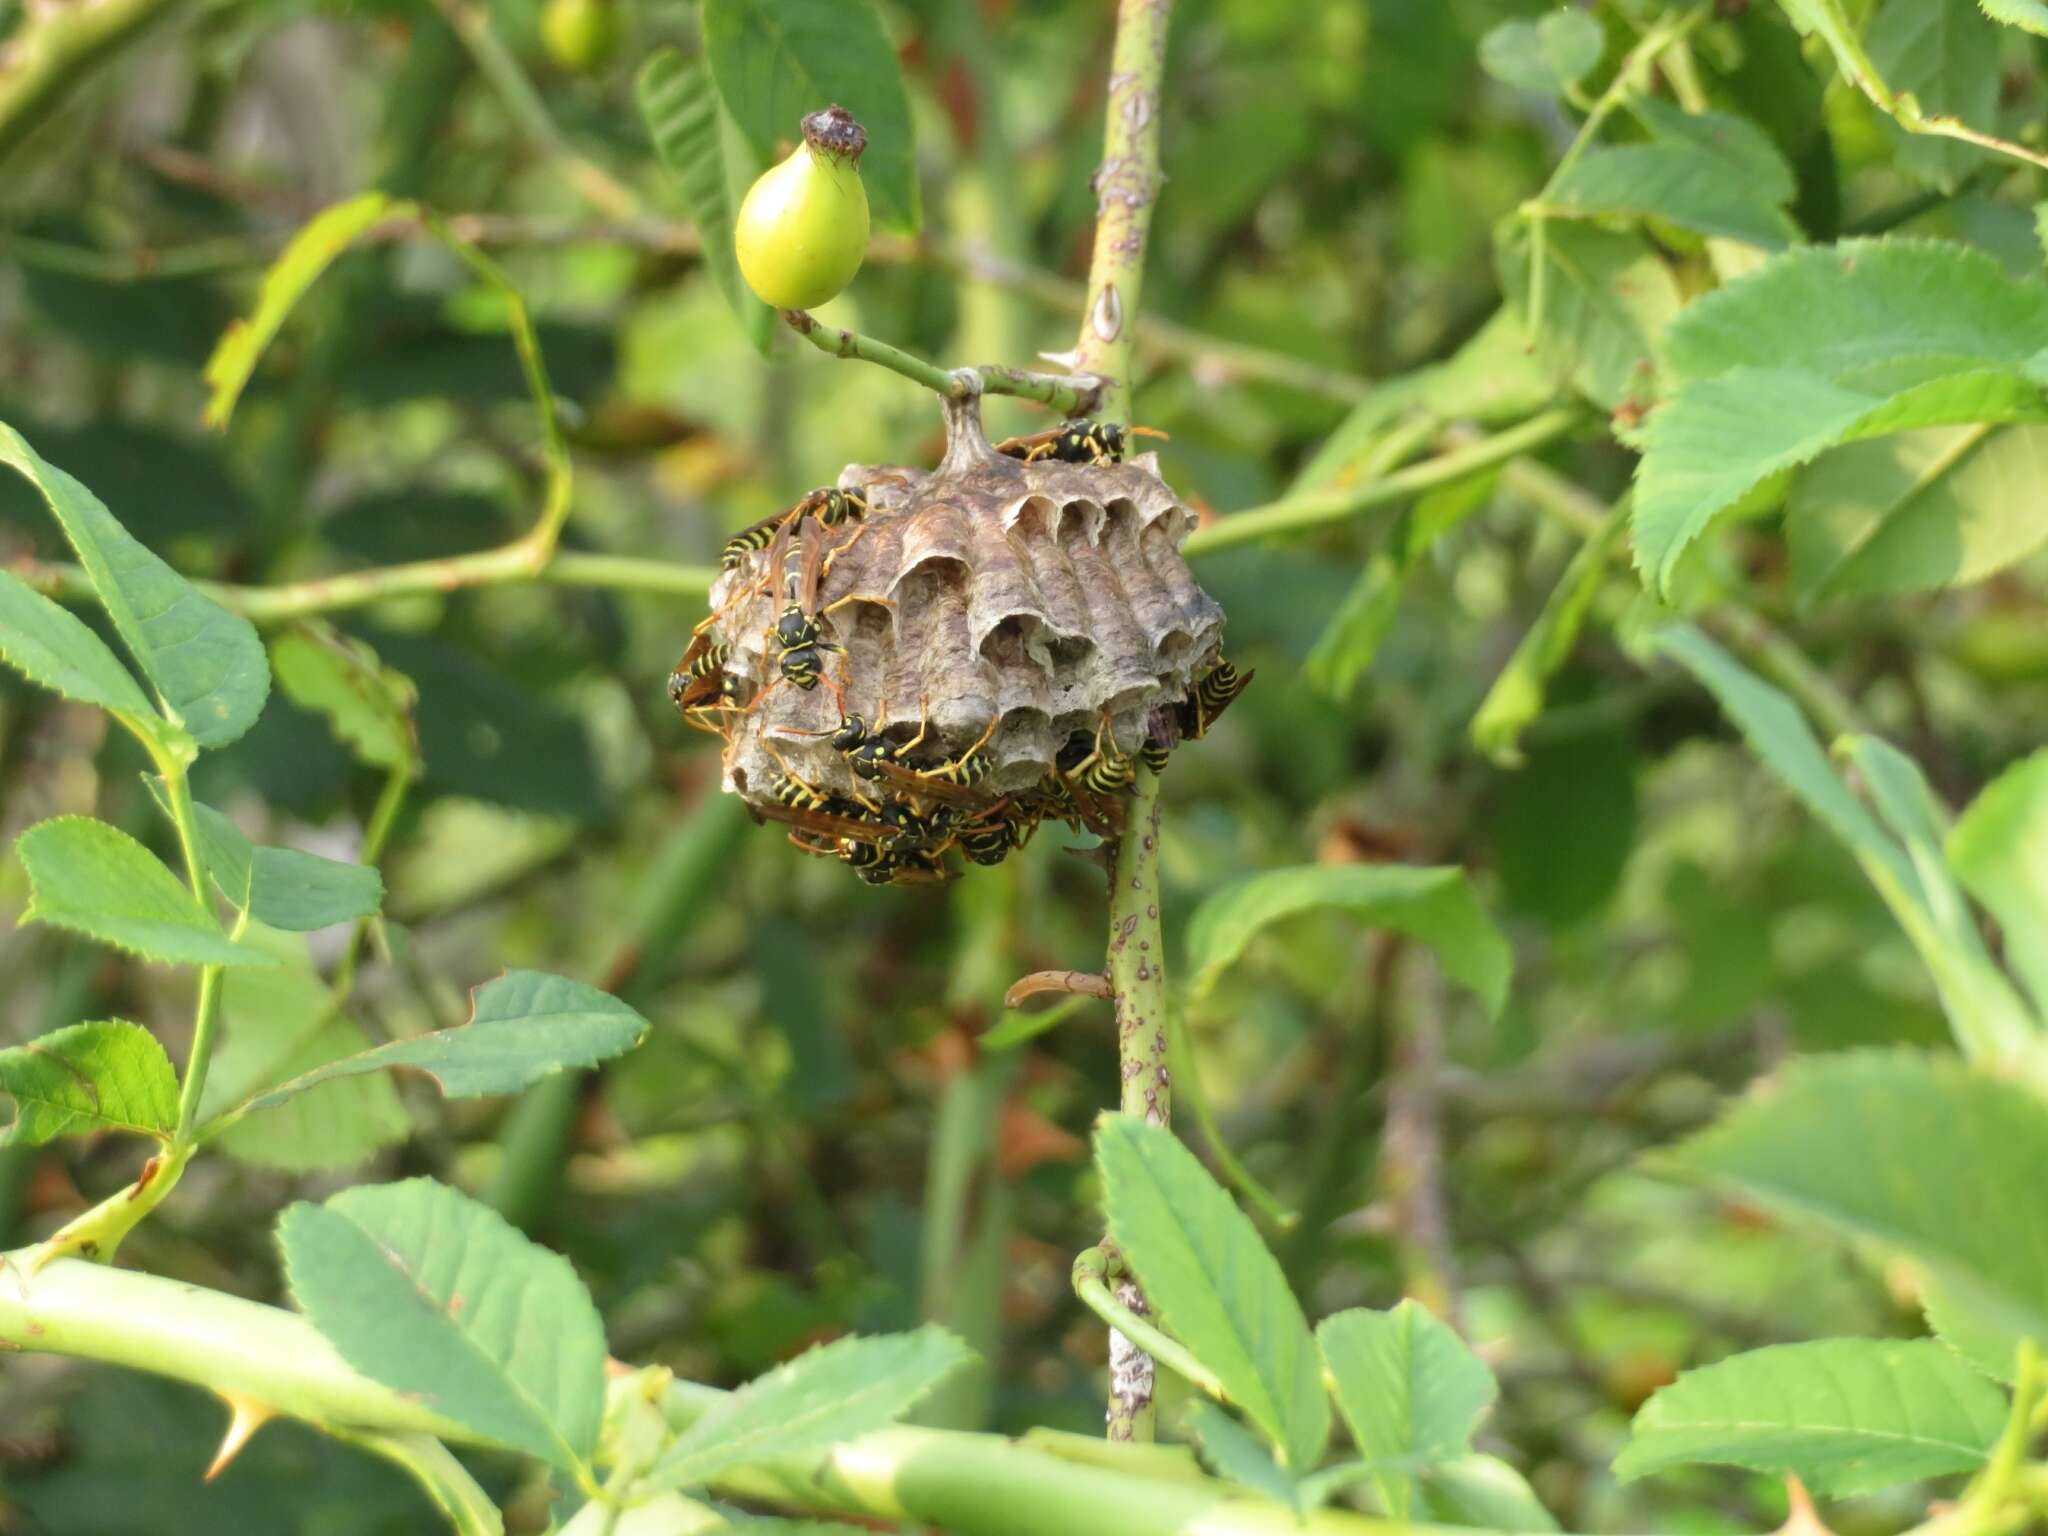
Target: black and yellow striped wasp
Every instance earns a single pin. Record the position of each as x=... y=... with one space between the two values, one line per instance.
x=1078 y=441
x=828 y=505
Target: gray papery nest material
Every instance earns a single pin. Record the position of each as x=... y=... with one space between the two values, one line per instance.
x=1048 y=597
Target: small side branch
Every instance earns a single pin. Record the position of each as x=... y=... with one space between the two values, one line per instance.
x=1077 y=983
x=1076 y=395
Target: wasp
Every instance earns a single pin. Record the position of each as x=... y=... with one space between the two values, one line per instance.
x=1078 y=441
x=828 y=504
x=1101 y=772
x=1210 y=697
x=1154 y=753
x=799 y=643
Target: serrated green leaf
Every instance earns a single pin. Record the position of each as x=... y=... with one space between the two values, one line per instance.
x=1719 y=439
x=1236 y=1455
x=1675 y=181
x=848 y=1388
x=1516 y=698
x=298 y=266
x=206 y=664
x=1918 y=1153
x=104 y=1076
x=1607 y=299
x=51 y=647
x=279 y=1024
x=1935 y=508
x=525 y=1026
x=436 y=1295
x=689 y=129
x=97 y=880
x=1859 y=311
x=1434 y=905
x=1844 y=1416
x=775 y=63
x=1551 y=54
x=1410 y=1389
x=1999 y=850
x=1945 y=54
x=1210 y=1279
x=1484 y=1491
x=278 y=887
x=2029 y=15
x=367 y=704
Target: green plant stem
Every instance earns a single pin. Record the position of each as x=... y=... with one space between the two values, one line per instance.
x=205 y=1022
x=218 y=1342
x=974 y=1484
x=1335 y=504
x=508 y=563
x=376 y=833
x=1126 y=188
x=1069 y=396
x=54 y=50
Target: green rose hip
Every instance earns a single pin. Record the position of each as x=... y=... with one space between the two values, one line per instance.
x=803 y=227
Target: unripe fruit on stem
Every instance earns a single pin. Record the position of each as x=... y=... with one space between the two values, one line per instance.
x=581 y=35
x=803 y=227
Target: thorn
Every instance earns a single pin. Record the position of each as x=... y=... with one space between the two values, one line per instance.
x=246 y=1416
x=1084 y=983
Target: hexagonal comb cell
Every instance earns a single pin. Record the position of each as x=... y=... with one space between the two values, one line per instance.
x=914 y=661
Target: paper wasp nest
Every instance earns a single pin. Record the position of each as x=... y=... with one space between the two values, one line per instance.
x=1035 y=615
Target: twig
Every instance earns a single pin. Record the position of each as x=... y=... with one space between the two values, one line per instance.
x=1126 y=186
x=1315 y=509
x=1137 y=975
x=1075 y=396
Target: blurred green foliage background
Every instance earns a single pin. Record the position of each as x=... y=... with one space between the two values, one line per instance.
x=813 y=1139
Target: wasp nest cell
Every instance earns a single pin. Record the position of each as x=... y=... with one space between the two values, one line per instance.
x=916 y=661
